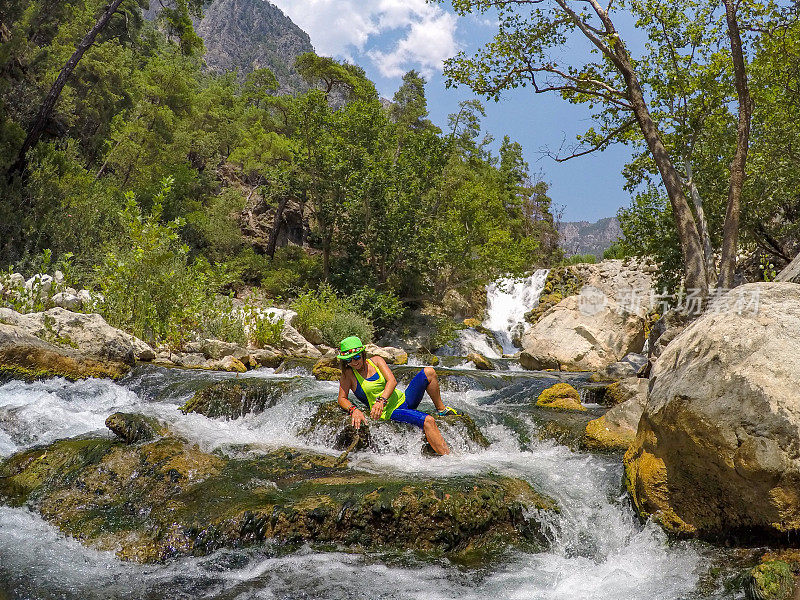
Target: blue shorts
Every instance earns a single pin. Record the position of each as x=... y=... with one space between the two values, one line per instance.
x=406 y=413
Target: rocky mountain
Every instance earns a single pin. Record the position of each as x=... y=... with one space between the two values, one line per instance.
x=583 y=237
x=248 y=35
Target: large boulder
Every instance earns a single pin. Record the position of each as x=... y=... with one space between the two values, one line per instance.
x=88 y=334
x=716 y=452
x=156 y=499
x=597 y=327
x=24 y=356
x=296 y=345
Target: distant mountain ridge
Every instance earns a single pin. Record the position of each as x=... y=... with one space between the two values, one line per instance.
x=583 y=237
x=248 y=35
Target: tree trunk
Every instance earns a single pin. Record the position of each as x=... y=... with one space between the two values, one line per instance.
x=730 y=230
x=791 y=272
x=702 y=225
x=326 y=257
x=46 y=109
x=276 y=225
x=687 y=228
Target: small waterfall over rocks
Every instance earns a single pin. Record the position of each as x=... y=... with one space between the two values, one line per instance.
x=507 y=301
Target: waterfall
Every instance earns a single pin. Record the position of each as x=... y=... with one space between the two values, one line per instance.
x=507 y=301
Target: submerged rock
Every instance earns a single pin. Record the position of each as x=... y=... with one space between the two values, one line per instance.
x=716 y=452
x=561 y=396
x=481 y=362
x=166 y=498
x=236 y=398
x=133 y=428
x=771 y=580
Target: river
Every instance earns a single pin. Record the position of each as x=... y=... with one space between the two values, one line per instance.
x=598 y=549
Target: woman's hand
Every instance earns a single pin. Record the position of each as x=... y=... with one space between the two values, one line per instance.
x=357 y=418
x=377 y=409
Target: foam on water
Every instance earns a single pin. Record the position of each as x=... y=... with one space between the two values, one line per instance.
x=598 y=549
x=45 y=411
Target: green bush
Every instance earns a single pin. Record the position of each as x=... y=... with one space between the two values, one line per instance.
x=615 y=250
x=262 y=329
x=292 y=270
x=332 y=314
x=221 y=321
x=149 y=287
x=579 y=258
x=384 y=309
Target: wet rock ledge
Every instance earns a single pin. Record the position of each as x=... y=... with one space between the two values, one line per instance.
x=162 y=497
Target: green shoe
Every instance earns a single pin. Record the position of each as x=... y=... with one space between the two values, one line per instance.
x=448 y=410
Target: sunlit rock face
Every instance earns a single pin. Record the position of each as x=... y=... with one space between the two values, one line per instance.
x=716 y=452
x=601 y=320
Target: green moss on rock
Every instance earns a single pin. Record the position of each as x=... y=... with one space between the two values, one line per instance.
x=561 y=396
x=771 y=580
x=165 y=498
x=233 y=399
x=30 y=363
x=561 y=283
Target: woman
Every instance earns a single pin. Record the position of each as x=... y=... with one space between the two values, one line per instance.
x=374 y=384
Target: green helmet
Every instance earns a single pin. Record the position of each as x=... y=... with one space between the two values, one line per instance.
x=349 y=346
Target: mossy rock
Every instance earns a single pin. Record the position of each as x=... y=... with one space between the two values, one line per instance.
x=561 y=396
x=429 y=359
x=327 y=369
x=330 y=422
x=236 y=398
x=32 y=363
x=480 y=361
x=165 y=498
x=133 y=428
x=601 y=436
x=771 y=580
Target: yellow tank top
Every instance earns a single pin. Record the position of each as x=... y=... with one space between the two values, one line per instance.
x=373 y=389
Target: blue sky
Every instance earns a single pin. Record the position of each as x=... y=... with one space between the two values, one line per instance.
x=389 y=37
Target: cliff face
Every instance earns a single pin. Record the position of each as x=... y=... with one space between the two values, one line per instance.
x=582 y=237
x=248 y=35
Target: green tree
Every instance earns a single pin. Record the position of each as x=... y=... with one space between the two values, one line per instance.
x=522 y=53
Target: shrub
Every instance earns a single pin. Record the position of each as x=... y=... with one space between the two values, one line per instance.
x=220 y=320
x=262 y=329
x=580 y=258
x=333 y=315
x=384 y=309
x=615 y=250
x=292 y=270
x=148 y=284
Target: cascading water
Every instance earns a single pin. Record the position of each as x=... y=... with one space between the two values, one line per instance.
x=507 y=301
x=598 y=549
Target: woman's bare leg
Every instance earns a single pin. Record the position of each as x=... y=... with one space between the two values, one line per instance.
x=433 y=388
x=434 y=436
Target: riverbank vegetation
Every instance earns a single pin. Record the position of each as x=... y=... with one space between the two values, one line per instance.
x=155 y=175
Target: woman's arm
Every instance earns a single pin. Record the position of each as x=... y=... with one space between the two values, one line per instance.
x=391 y=384
x=356 y=416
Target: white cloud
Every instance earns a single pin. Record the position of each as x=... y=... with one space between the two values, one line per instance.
x=340 y=27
